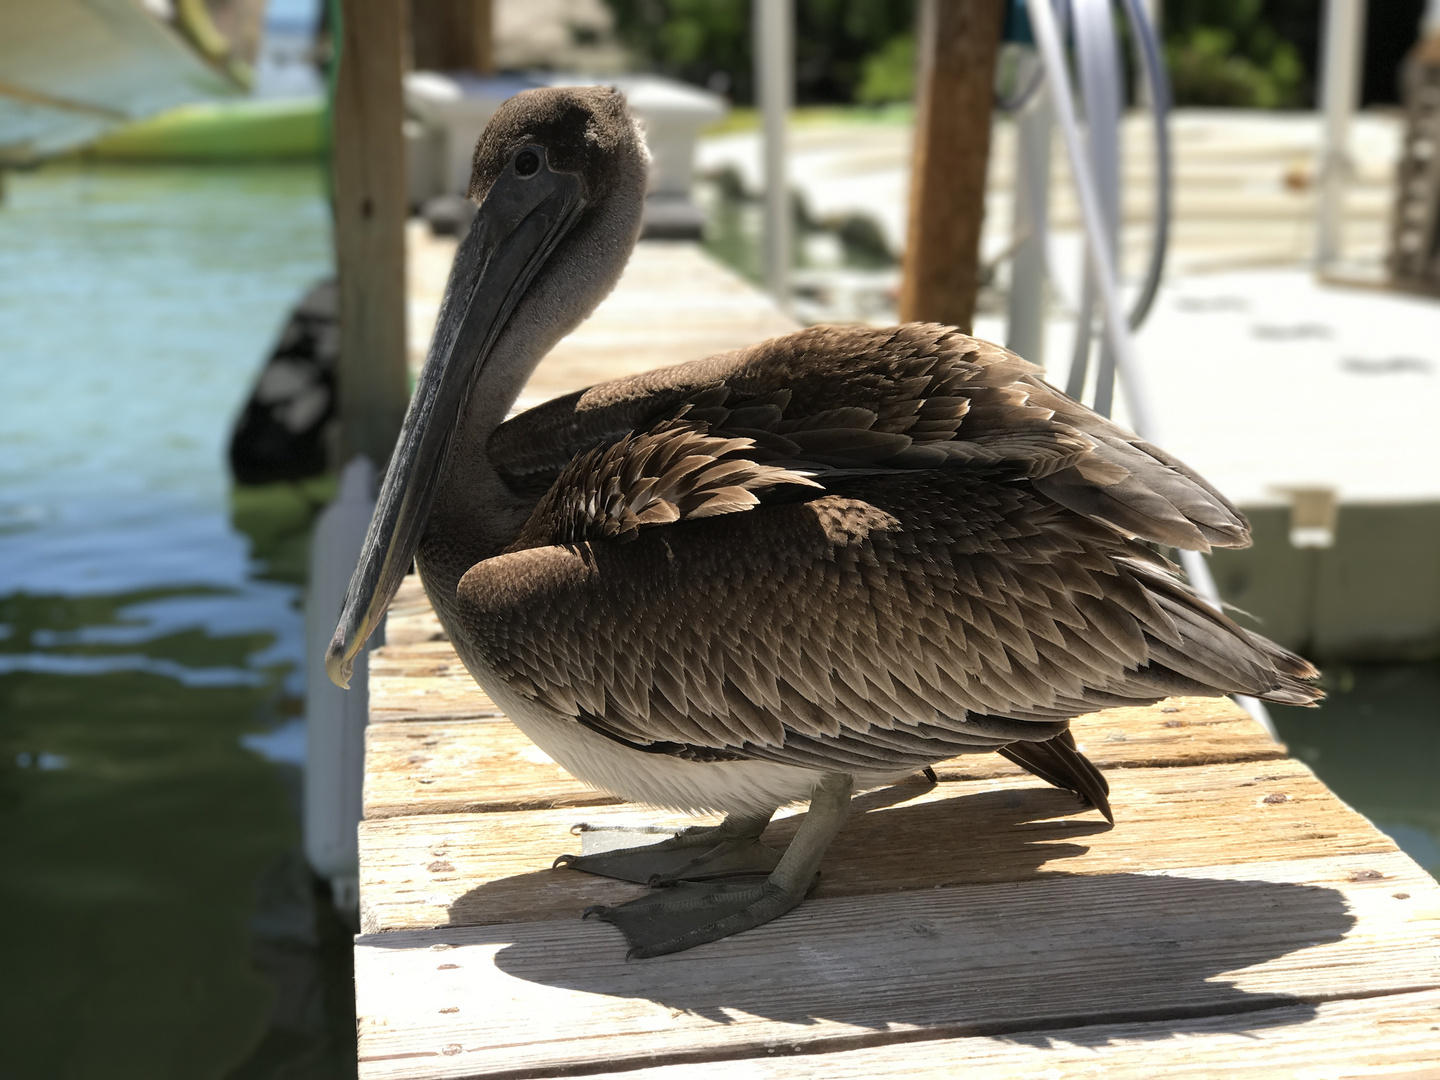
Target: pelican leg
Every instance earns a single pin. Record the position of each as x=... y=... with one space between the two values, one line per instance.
x=690 y=913
x=698 y=853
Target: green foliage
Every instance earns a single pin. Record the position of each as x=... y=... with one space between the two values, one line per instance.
x=889 y=75
x=1244 y=53
x=1206 y=69
x=1236 y=52
x=838 y=45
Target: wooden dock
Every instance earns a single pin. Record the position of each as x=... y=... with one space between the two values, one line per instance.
x=1238 y=920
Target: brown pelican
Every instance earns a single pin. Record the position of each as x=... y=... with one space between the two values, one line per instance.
x=818 y=564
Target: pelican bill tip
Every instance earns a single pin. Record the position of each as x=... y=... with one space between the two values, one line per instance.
x=338 y=665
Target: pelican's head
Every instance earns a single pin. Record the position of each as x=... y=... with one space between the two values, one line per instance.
x=583 y=131
x=560 y=177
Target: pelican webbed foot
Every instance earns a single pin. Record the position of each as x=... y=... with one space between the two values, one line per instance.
x=699 y=853
x=689 y=913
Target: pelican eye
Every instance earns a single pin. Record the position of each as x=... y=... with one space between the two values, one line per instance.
x=527 y=163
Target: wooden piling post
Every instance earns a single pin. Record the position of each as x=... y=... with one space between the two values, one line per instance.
x=453 y=35
x=959 y=41
x=369 y=178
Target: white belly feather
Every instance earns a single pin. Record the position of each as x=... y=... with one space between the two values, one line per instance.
x=659 y=779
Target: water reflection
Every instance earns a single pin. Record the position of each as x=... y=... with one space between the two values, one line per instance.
x=150 y=648
x=1376 y=743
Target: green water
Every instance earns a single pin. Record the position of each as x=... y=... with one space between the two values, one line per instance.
x=1376 y=742
x=160 y=920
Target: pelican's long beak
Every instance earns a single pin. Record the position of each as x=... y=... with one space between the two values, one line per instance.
x=527 y=212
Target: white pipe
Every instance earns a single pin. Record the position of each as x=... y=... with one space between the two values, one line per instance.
x=1155 y=12
x=1340 y=95
x=1100 y=80
x=1047 y=38
x=775 y=79
x=1025 y=324
x=1117 y=330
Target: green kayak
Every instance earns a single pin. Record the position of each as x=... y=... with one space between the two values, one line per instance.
x=221 y=131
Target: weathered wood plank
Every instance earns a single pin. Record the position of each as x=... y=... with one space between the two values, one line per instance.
x=412 y=697
x=411 y=619
x=430 y=766
x=1061 y=952
x=429 y=659
x=482 y=869
x=1397 y=1035
x=988 y=918
x=673 y=303
x=1178 y=731
x=423 y=680
x=463 y=766
x=428 y=697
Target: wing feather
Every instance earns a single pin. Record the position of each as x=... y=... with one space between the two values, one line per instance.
x=913 y=397
x=853 y=548
x=852 y=630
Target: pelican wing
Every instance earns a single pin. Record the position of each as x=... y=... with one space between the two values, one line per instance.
x=673 y=472
x=847 y=400
x=883 y=624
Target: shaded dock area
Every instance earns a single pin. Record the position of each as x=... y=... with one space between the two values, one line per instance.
x=1237 y=919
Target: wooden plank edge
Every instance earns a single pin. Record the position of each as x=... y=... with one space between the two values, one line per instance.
x=396 y=716
x=1338 y=1039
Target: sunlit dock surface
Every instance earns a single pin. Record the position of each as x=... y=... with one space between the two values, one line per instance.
x=1239 y=919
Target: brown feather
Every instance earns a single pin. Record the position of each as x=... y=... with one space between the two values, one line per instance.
x=1058 y=762
x=852 y=548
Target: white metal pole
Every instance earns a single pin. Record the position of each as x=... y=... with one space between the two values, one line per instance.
x=1025 y=329
x=1340 y=95
x=1047 y=38
x=1155 y=12
x=335 y=719
x=1100 y=79
x=774 y=23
